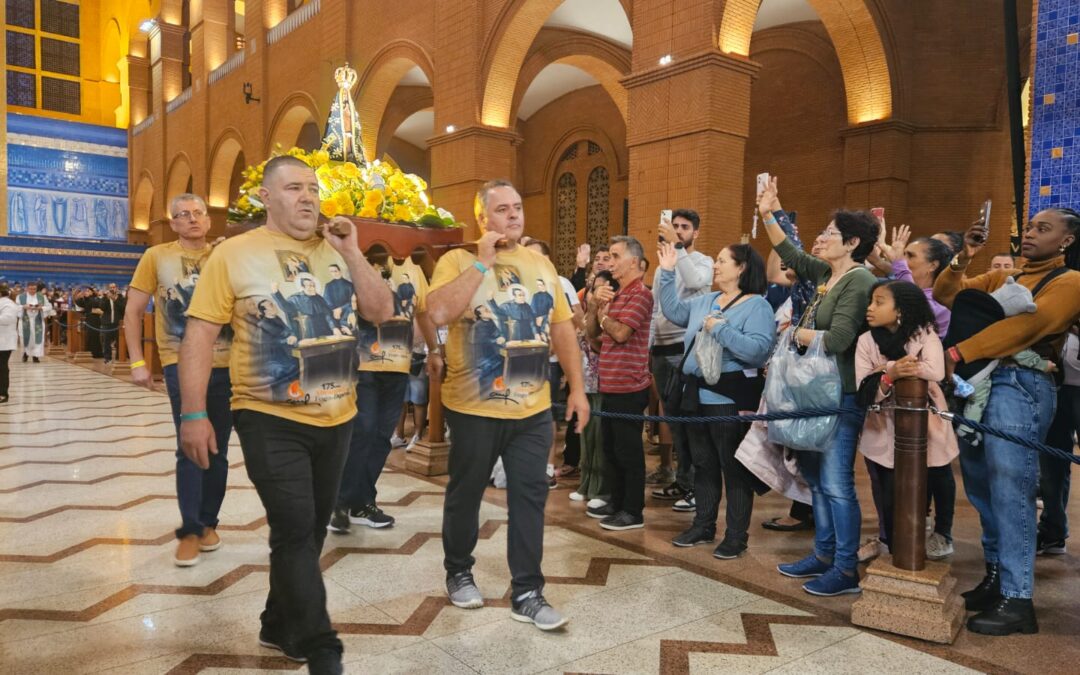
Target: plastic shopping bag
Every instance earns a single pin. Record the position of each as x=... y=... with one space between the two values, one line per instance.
x=802 y=382
x=709 y=355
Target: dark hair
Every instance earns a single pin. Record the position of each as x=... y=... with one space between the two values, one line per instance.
x=1005 y=254
x=689 y=214
x=912 y=306
x=753 y=278
x=544 y=248
x=956 y=239
x=276 y=163
x=861 y=224
x=1072 y=221
x=936 y=251
x=603 y=248
x=4 y=290
x=609 y=277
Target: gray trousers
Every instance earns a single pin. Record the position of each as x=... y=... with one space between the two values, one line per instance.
x=662 y=368
x=475 y=444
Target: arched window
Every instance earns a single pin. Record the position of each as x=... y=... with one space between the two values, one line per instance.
x=599 y=192
x=565 y=243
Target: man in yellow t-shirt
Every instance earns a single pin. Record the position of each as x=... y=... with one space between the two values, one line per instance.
x=385 y=353
x=168 y=273
x=293 y=371
x=497 y=396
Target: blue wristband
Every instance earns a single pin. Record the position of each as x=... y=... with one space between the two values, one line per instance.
x=480 y=266
x=191 y=417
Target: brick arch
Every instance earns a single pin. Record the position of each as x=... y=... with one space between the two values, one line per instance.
x=604 y=60
x=228 y=147
x=177 y=177
x=142 y=202
x=856 y=38
x=294 y=112
x=401 y=106
x=576 y=135
x=504 y=55
x=378 y=82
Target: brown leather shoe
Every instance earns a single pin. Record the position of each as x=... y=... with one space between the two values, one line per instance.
x=209 y=541
x=187 y=551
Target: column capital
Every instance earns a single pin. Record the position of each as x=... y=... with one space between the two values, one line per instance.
x=706 y=59
x=879 y=126
x=477 y=131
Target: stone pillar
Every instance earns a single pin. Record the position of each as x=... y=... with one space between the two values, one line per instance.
x=687 y=151
x=877 y=167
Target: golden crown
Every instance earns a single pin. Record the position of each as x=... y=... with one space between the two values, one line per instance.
x=345 y=77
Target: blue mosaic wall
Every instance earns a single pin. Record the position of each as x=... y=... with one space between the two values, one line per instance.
x=66 y=179
x=1055 y=131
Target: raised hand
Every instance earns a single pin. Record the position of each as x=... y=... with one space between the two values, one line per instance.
x=667 y=255
x=770 y=198
x=584 y=255
x=485 y=248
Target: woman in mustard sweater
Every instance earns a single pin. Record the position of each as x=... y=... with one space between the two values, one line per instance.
x=1001 y=478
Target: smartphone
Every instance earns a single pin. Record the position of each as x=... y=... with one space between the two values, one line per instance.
x=762 y=183
x=664 y=215
x=985 y=213
x=879 y=213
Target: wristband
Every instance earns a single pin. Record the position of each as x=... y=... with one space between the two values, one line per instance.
x=886 y=380
x=191 y=417
x=480 y=266
x=138 y=364
x=954 y=354
x=770 y=219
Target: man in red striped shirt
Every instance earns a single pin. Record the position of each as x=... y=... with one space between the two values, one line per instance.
x=621 y=322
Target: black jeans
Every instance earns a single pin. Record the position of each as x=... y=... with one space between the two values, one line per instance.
x=4 y=371
x=713 y=448
x=624 y=451
x=296 y=469
x=379 y=397
x=941 y=489
x=887 y=503
x=1054 y=474
x=109 y=333
x=475 y=444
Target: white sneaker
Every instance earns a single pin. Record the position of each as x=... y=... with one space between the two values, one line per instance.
x=412 y=442
x=597 y=503
x=577 y=497
x=397 y=441
x=929 y=524
x=938 y=547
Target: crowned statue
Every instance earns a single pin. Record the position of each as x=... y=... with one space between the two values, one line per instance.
x=342 y=138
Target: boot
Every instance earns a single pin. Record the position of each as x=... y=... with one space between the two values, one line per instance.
x=986 y=595
x=1008 y=616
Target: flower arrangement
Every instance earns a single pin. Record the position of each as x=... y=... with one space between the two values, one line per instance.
x=380 y=190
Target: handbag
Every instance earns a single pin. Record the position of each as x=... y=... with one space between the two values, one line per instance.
x=800 y=382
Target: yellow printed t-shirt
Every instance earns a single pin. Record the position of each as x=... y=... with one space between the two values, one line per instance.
x=388 y=347
x=497 y=352
x=294 y=353
x=168 y=273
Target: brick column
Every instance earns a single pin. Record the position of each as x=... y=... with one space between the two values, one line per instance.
x=877 y=167
x=462 y=161
x=166 y=64
x=139 y=84
x=211 y=39
x=689 y=121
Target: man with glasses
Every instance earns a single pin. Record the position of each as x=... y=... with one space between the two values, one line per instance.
x=167 y=273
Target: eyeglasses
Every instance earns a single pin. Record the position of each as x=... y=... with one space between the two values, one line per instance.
x=189 y=215
x=827 y=234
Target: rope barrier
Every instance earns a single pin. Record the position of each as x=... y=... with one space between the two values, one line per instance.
x=1057 y=453
x=86 y=325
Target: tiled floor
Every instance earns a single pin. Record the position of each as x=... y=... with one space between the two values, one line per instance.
x=87 y=582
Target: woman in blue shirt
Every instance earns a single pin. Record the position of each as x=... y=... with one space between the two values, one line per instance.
x=741 y=321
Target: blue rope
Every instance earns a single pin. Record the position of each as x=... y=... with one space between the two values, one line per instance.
x=86 y=325
x=1057 y=453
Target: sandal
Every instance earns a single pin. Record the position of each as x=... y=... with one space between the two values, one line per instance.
x=776 y=525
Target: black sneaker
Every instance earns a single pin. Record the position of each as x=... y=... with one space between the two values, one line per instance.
x=693 y=537
x=37 y=360
x=685 y=505
x=622 y=521
x=604 y=511
x=1049 y=546
x=25 y=358
x=271 y=641
x=671 y=492
x=372 y=516
x=729 y=549
x=339 y=521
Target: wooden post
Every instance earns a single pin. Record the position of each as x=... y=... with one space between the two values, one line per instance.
x=905 y=594
x=909 y=481
x=72 y=332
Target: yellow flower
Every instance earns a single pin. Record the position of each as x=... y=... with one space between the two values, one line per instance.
x=328 y=207
x=349 y=170
x=368 y=212
x=397 y=182
x=345 y=204
x=373 y=199
x=403 y=212
x=318 y=158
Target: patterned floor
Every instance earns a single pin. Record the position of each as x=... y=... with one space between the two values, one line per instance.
x=87 y=582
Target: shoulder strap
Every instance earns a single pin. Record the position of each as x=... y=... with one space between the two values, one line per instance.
x=1050 y=276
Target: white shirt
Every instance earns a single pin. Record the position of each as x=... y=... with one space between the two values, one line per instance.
x=693 y=277
x=9 y=321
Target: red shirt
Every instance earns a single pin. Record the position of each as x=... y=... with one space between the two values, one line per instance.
x=624 y=368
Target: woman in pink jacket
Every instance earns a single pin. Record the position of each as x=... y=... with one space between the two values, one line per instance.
x=901 y=343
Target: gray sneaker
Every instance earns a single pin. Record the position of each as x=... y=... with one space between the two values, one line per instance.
x=533 y=608
x=462 y=590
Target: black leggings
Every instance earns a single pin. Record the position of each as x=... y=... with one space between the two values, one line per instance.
x=4 y=356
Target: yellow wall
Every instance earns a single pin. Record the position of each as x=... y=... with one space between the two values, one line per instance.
x=106 y=29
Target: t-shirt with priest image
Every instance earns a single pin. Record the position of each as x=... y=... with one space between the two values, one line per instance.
x=294 y=348
x=169 y=273
x=497 y=354
x=388 y=346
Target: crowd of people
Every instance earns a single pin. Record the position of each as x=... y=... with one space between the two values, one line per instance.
x=290 y=336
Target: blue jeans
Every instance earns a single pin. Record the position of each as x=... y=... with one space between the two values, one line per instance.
x=379 y=397
x=1001 y=478
x=831 y=475
x=198 y=491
